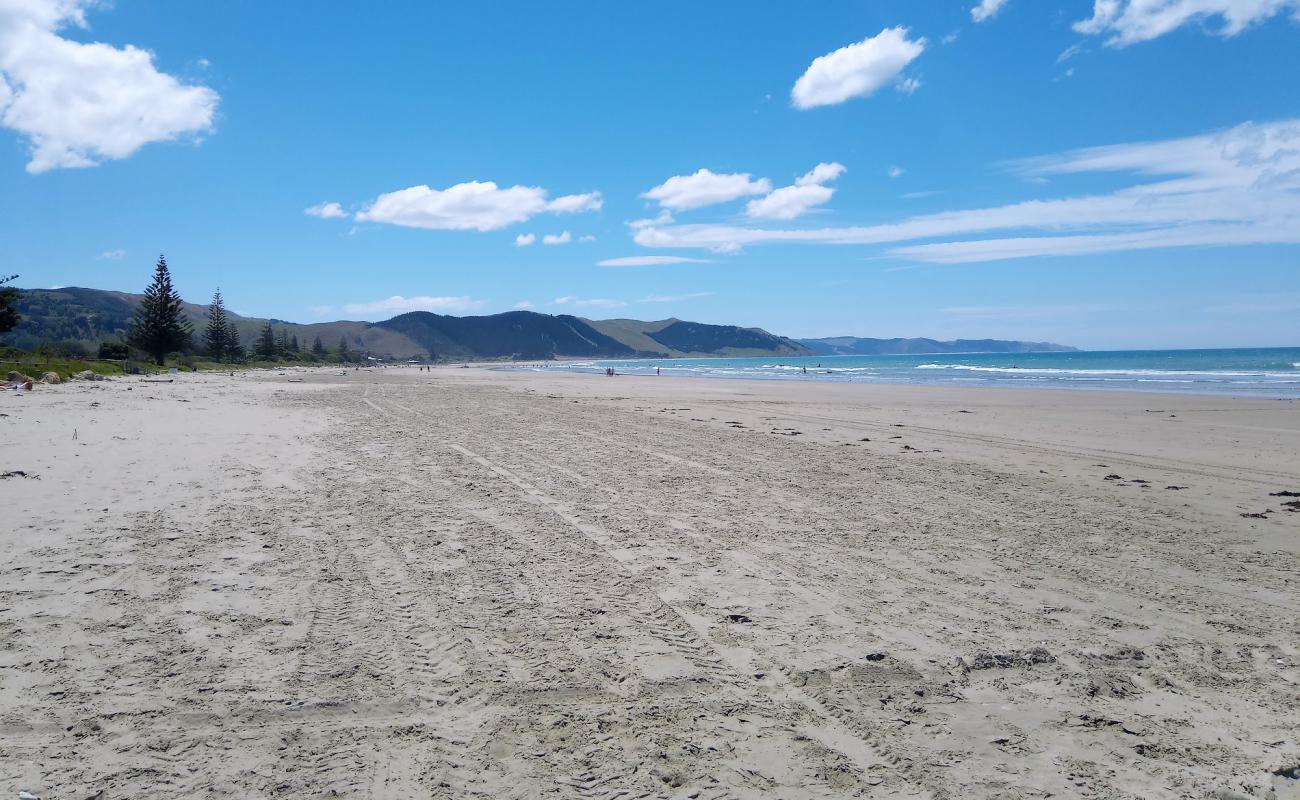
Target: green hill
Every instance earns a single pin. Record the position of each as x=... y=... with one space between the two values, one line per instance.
x=673 y=338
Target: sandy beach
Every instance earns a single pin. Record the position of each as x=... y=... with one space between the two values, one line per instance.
x=474 y=583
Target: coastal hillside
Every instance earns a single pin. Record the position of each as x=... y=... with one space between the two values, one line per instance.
x=515 y=334
x=668 y=338
x=77 y=317
x=855 y=346
x=82 y=318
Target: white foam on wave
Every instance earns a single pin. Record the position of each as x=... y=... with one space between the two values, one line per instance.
x=1107 y=372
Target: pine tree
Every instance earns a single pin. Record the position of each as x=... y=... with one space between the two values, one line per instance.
x=266 y=348
x=234 y=345
x=159 y=326
x=282 y=342
x=318 y=347
x=293 y=344
x=343 y=349
x=9 y=317
x=217 y=335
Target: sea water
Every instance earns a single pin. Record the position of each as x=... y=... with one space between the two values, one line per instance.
x=1258 y=372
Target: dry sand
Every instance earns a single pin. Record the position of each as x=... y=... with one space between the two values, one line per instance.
x=468 y=583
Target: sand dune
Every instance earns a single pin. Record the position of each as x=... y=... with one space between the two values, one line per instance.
x=469 y=583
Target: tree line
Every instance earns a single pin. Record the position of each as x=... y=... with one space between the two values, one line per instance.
x=160 y=328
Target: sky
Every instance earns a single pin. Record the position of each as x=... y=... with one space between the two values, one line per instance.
x=1109 y=174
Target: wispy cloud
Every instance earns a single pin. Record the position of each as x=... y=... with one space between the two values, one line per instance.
x=1234 y=187
x=557 y=238
x=399 y=304
x=1128 y=22
x=856 y=70
x=588 y=302
x=523 y=305
x=673 y=298
x=326 y=211
x=1030 y=312
x=986 y=10
x=112 y=255
x=650 y=261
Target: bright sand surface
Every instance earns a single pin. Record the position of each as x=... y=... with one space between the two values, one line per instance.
x=470 y=583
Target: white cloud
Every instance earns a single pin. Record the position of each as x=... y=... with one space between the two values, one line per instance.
x=1228 y=188
x=650 y=261
x=112 y=255
x=807 y=192
x=474 y=205
x=573 y=203
x=81 y=104
x=326 y=211
x=705 y=188
x=908 y=85
x=560 y=238
x=1127 y=22
x=987 y=9
x=525 y=239
x=857 y=70
x=592 y=302
x=523 y=305
x=822 y=173
x=586 y=238
x=673 y=298
x=664 y=217
x=398 y=304
x=895 y=171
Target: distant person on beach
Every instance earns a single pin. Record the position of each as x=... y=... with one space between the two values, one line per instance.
x=656 y=370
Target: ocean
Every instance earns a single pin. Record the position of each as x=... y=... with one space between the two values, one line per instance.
x=1256 y=372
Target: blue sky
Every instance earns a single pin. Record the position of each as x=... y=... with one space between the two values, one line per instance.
x=1112 y=175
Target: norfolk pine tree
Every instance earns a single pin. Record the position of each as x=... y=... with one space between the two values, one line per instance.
x=159 y=326
x=216 y=336
x=266 y=347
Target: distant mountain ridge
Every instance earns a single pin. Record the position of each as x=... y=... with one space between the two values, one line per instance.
x=90 y=316
x=855 y=346
x=87 y=317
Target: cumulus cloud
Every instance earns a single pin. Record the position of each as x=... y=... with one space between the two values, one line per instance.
x=525 y=239
x=326 y=211
x=112 y=255
x=705 y=188
x=793 y=201
x=398 y=304
x=987 y=9
x=1227 y=188
x=557 y=238
x=1127 y=22
x=650 y=261
x=857 y=70
x=589 y=302
x=474 y=205
x=81 y=104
